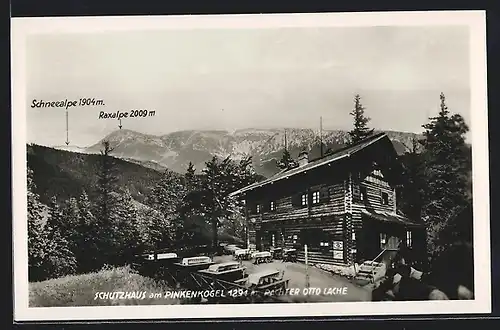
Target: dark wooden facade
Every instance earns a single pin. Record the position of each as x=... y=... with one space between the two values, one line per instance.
x=343 y=206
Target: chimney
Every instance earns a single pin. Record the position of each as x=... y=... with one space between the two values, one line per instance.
x=303 y=158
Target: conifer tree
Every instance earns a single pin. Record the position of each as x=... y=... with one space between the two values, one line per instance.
x=106 y=206
x=412 y=191
x=188 y=228
x=37 y=239
x=60 y=260
x=190 y=177
x=220 y=178
x=360 y=130
x=245 y=173
x=128 y=232
x=88 y=256
x=216 y=187
x=167 y=197
x=167 y=194
x=71 y=224
x=286 y=161
x=446 y=170
x=158 y=234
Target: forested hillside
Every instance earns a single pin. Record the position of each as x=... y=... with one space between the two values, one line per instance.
x=86 y=211
x=66 y=174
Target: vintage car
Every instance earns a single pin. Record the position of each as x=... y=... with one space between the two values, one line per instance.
x=242 y=254
x=230 y=248
x=262 y=257
x=152 y=264
x=290 y=255
x=271 y=279
x=227 y=271
x=195 y=263
x=277 y=253
x=162 y=256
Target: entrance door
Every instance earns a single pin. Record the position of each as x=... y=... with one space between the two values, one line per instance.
x=391 y=245
x=314 y=238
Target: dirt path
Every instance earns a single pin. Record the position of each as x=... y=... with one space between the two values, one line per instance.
x=332 y=288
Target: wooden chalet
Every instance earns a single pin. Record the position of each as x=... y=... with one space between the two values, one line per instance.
x=343 y=206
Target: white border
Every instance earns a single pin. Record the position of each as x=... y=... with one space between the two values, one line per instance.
x=22 y=27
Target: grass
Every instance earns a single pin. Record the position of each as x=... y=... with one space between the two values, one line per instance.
x=80 y=290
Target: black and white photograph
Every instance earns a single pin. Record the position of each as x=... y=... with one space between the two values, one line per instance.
x=250 y=166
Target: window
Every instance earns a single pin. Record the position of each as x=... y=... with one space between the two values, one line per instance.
x=258 y=208
x=304 y=200
x=408 y=238
x=383 y=238
x=385 y=198
x=353 y=235
x=272 y=207
x=315 y=197
x=362 y=190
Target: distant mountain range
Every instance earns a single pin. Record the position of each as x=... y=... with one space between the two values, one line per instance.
x=175 y=150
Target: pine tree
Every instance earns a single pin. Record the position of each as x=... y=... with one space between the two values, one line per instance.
x=167 y=197
x=70 y=226
x=106 y=206
x=158 y=232
x=216 y=187
x=219 y=180
x=128 y=234
x=190 y=177
x=60 y=260
x=88 y=256
x=245 y=174
x=36 y=235
x=167 y=194
x=286 y=162
x=446 y=170
x=412 y=191
x=360 y=130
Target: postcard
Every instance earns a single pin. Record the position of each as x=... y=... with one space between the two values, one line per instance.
x=250 y=166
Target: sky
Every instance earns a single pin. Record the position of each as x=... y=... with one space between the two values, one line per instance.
x=249 y=78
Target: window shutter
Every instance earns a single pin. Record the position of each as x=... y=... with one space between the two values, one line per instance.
x=324 y=195
x=309 y=198
x=297 y=199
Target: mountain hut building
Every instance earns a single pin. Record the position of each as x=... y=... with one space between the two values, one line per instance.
x=343 y=206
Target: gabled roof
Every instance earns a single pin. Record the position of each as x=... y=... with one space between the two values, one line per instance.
x=330 y=159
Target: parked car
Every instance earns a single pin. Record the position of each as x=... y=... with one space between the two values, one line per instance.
x=227 y=271
x=262 y=257
x=270 y=279
x=242 y=254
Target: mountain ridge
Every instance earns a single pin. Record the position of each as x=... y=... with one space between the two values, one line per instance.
x=265 y=145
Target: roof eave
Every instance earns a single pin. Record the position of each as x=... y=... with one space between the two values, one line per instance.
x=269 y=181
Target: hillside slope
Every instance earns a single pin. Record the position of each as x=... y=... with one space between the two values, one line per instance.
x=80 y=290
x=65 y=174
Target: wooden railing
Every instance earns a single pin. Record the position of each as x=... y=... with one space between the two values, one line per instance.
x=373 y=266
